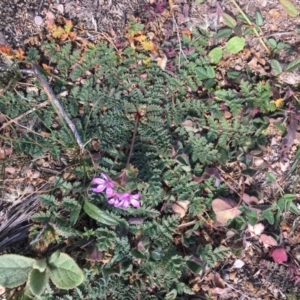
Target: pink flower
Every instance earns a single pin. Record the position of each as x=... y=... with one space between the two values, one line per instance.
x=126 y=199
x=114 y=200
x=104 y=183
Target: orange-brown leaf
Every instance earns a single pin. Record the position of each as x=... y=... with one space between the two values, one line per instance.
x=149 y=46
x=19 y=54
x=68 y=26
x=6 y=50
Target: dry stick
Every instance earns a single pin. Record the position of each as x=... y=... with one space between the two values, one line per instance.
x=56 y=104
x=250 y=24
x=16 y=119
x=133 y=140
x=179 y=41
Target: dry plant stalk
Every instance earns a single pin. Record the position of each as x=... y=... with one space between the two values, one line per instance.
x=57 y=106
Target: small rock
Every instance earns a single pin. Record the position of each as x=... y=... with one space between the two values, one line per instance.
x=238 y=264
x=38 y=20
x=60 y=8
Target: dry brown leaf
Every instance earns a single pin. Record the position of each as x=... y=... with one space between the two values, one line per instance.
x=274 y=13
x=50 y=19
x=218 y=281
x=253 y=64
x=262 y=3
x=180 y=207
x=268 y=240
x=225 y=209
x=162 y=62
x=10 y=170
x=257 y=229
x=5 y=152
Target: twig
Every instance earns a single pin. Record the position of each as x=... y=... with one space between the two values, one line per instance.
x=231 y=287
x=137 y=118
x=179 y=41
x=187 y=224
x=16 y=119
x=56 y=104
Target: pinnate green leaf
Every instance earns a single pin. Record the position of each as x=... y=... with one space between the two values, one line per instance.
x=289 y=7
x=64 y=272
x=14 y=269
x=235 y=44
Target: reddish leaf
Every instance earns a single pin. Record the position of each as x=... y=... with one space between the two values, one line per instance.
x=279 y=255
x=225 y=210
x=250 y=199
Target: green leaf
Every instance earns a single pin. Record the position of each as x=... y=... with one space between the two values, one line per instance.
x=293 y=208
x=194 y=267
x=14 y=269
x=37 y=281
x=210 y=72
x=276 y=67
x=40 y=264
x=289 y=197
x=235 y=44
x=215 y=55
x=269 y=215
x=272 y=43
x=289 y=7
x=223 y=33
x=64 y=272
x=157 y=254
x=138 y=254
x=258 y=18
x=294 y=64
x=229 y=20
x=99 y=215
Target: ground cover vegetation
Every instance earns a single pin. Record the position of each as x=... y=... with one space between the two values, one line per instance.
x=138 y=134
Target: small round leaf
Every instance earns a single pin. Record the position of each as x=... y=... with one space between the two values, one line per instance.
x=235 y=44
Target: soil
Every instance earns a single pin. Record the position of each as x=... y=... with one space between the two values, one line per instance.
x=23 y=23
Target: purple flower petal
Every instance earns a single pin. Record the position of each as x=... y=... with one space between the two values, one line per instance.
x=111 y=201
x=98 y=181
x=125 y=205
x=118 y=203
x=98 y=189
x=125 y=196
x=109 y=192
x=103 y=175
x=135 y=203
x=136 y=196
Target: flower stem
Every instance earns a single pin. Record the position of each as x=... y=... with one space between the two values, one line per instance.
x=137 y=118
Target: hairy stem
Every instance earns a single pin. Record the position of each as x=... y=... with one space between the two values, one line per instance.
x=137 y=118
